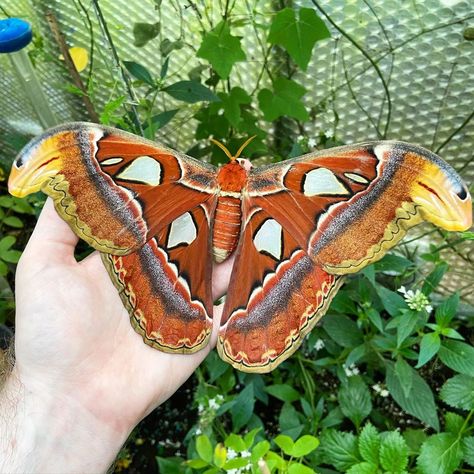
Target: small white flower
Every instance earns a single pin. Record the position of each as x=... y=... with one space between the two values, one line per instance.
x=231 y=454
x=198 y=431
x=384 y=393
x=245 y=454
x=377 y=388
x=233 y=471
x=318 y=345
x=416 y=299
x=200 y=408
x=311 y=143
x=213 y=404
x=220 y=398
x=328 y=133
x=351 y=370
x=300 y=138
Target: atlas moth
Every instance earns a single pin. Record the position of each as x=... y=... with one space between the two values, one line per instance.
x=161 y=218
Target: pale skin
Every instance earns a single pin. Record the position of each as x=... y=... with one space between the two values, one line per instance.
x=83 y=378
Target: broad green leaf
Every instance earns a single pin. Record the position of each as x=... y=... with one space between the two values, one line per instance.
x=468 y=450
x=394 y=452
x=440 y=454
x=220 y=455
x=458 y=392
x=289 y=421
x=298 y=468
x=374 y=318
x=446 y=311
x=204 y=448
x=283 y=100
x=298 y=35
x=406 y=325
x=249 y=438
x=259 y=450
x=191 y=92
x=304 y=445
x=391 y=301
x=430 y=344
x=453 y=422
x=458 y=356
x=170 y=465
x=196 y=463
x=414 y=439
x=343 y=330
x=369 y=444
x=144 y=32
x=110 y=108
x=235 y=463
x=433 y=279
x=6 y=242
x=235 y=442
x=10 y=256
x=243 y=409
x=221 y=49
x=422 y=406
x=158 y=121
x=354 y=400
x=285 y=443
x=6 y=201
x=392 y=263
x=139 y=72
x=340 y=449
x=404 y=373
x=232 y=103
x=356 y=354
x=13 y=221
x=283 y=392
x=167 y=46
x=363 y=468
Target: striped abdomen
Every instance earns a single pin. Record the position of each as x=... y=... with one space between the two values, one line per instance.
x=227 y=222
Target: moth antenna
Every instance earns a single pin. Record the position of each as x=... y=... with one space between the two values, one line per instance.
x=224 y=149
x=241 y=149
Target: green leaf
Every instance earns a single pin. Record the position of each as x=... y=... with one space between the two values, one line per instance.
x=13 y=221
x=283 y=392
x=369 y=444
x=404 y=373
x=433 y=279
x=458 y=356
x=170 y=465
x=363 y=468
x=430 y=344
x=393 y=264
x=340 y=449
x=458 y=392
x=220 y=455
x=221 y=49
x=406 y=324
x=110 y=108
x=158 y=121
x=235 y=442
x=284 y=100
x=414 y=438
x=10 y=256
x=298 y=36
x=191 y=92
x=304 y=445
x=440 y=454
x=249 y=438
x=167 y=46
x=446 y=311
x=394 y=452
x=375 y=319
x=453 y=422
x=354 y=400
x=204 y=448
x=235 y=463
x=343 y=330
x=391 y=301
x=232 y=103
x=139 y=72
x=468 y=450
x=422 y=406
x=285 y=443
x=6 y=243
x=289 y=421
x=298 y=468
x=144 y=32
x=243 y=409
x=259 y=450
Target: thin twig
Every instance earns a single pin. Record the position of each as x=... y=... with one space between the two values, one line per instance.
x=456 y=131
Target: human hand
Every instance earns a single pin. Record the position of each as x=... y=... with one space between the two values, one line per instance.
x=74 y=345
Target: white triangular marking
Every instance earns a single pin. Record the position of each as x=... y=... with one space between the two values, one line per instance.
x=322 y=181
x=268 y=238
x=143 y=169
x=182 y=231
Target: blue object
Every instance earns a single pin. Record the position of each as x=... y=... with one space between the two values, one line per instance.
x=15 y=34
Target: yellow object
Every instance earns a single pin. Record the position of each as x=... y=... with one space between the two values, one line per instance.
x=80 y=57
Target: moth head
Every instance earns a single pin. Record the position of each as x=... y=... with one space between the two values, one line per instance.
x=243 y=162
x=441 y=196
x=38 y=163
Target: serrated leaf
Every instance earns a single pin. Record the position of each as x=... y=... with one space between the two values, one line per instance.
x=404 y=373
x=283 y=100
x=298 y=468
x=304 y=445
x=221 y=49
x=139 y=72
x=144 y=32
x=298 y=36
x=468 y=450
x=458 y=356
x=422 y=406
x=243 y=408
x=394 y=452
x=283 y=392
x=453 y=422
x=343 y=330
x=354 y=400
x=414 y=439
x=204 y=448
x=458 y=392
x=340 y=449
x=363 y=468
x=369 y=444
x=191 y=92
x=440 y=454
x=446 y=311
x=429 y=346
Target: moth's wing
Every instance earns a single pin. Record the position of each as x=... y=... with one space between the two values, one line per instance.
x=347 y=206
x=313 y=218
x=166 y=284
x=116 y=190
x=276 y=296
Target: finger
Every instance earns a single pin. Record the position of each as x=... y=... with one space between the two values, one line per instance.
x=221 y=277
x=216 y=324
x=52 y=238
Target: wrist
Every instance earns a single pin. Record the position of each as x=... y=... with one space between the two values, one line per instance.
x=45 y=430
